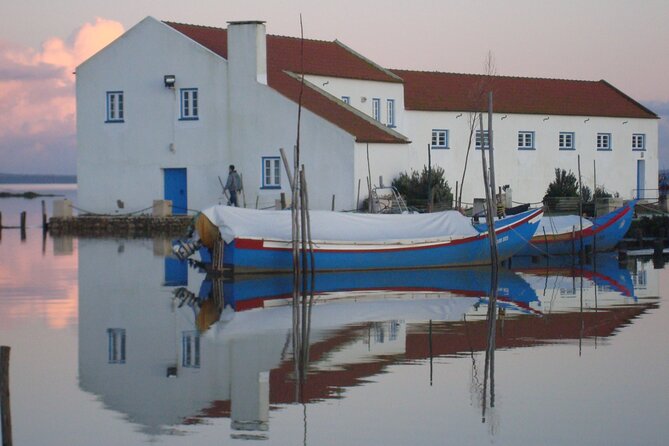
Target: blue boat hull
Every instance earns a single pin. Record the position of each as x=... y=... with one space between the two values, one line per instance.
x=258 y=255
x=603 y=235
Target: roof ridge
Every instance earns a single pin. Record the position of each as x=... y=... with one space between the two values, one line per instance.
x=494 y=75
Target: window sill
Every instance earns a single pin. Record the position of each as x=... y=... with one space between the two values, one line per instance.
x=566 y=149
x=605 y=150
x=527 y=148
x=115 y=121
x=440 y=147
x=270 y=187
x=638 y=150
x=189 y=119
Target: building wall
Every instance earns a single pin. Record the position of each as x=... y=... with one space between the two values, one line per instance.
x=528 y=172
x=125 y=161
x=262 y=121
x=361 y=94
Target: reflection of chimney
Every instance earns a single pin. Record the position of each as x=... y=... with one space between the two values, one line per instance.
x=247 y=51
x=250 y=402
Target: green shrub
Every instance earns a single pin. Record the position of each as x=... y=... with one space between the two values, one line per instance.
x=414 y=188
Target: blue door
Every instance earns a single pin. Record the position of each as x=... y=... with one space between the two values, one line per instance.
x=640 y=179
x=175 y=190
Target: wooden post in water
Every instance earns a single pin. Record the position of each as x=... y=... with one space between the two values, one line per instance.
x=5 y=409
x=333 y=202
x=23 y=225
x=44 y=219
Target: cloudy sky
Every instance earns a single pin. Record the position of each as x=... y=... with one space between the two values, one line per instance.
x=625 y=42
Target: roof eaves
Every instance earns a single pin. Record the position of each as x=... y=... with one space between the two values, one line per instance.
x=632 y=101
x=393 y=76
x=397 y=135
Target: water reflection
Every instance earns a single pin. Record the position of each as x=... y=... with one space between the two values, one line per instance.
x=165 y=345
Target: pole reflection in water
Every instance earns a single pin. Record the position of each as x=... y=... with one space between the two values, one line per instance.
x=489 y=368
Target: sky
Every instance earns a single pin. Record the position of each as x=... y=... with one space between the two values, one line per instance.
x=625 y=42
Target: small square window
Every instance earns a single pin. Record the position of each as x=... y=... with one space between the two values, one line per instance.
x=603 y=141
x=189 y=104
x=116 y=345
x=566 y=141
x=639 y=141
x=526 y=140
x=115 y=106
x=439 y=139
x=486 y=140
x=271 y=172
x=190 y=349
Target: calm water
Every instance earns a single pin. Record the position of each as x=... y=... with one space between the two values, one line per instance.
x=112 y=343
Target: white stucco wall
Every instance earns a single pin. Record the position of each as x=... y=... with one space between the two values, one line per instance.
x=362 y=92
x=124 y=161
x=262 y=121
x=529 y=172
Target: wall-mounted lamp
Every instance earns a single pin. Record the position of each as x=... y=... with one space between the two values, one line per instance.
x=504 y=117
x=458 y=116
x=172 y=148
x=547 y=118
x=325 y=83
x=625 y=122
x=170 y=80
x=363 y=99
x=586 y=120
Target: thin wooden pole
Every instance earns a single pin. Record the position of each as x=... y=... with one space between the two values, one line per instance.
x=429 y=179
x=333 y=202
x=491 y=150
x=5 y=407
x=23 y=225
x=580 y=209
x=369 y=182
x=44 y=217
x=489 y=218
x=357 y=201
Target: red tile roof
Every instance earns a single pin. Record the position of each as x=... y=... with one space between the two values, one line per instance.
x=320 y=58
x=433 y=91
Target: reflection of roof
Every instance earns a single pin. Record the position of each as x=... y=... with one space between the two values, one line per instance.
x=447 y=339
x=320 y=58
x=434 y=91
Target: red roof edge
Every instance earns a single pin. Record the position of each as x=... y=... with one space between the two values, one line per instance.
x=630 y=99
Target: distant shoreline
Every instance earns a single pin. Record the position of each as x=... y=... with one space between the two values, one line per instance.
x=15 y=178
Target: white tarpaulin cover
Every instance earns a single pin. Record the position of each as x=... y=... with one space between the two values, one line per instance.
x=561 y=224
x=339 y=226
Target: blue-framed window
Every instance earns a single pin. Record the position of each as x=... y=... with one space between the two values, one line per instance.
x=190 y=110
x=115 y=106
x=603 y=141
x=486 y=140
x=346 y=99
x=639 y=141
x=116 y=345
x=190 y=349
x=439 y=139
x=566 y=141
x=390 y=108
x=525 y=140
x=376 y=108
x=271 y=172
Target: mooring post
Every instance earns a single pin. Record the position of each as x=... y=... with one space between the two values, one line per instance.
x=23 y=225
x=333 y=202
x=4 y=397
x=45 y=225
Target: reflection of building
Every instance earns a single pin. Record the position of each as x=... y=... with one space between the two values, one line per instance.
x=142 y=353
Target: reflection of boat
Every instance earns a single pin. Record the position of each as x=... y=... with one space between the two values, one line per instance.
x=261 y=240
x=565 y=285
x=563 y=234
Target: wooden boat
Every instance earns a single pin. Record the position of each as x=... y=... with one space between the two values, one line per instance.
x=260 y=241
x=563 y=234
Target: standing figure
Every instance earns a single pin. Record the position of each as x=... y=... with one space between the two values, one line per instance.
x=233 y=184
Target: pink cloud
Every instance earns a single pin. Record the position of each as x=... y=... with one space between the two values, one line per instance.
x=37 y=97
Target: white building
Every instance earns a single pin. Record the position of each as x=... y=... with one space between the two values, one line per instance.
x=163 y=110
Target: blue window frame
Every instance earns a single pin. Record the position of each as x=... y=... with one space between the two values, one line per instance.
x=116 y=345
x=190 y=349
x=439 y=139
x=603 y=141
x=346 y=99
x=390 y=106
x=115 y=107
x=566 y=141
x=271 y=172
x=526 y=140
x=639 y=141
x=189 y=104
x=376 y=108
x=486 y=140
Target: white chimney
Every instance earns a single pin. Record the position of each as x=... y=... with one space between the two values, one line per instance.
x=247 y=50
